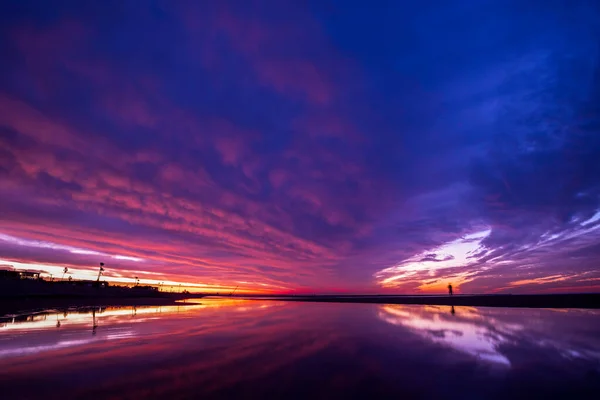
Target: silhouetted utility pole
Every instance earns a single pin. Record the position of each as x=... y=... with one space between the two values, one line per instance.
x=94 y=323
x=100 y=272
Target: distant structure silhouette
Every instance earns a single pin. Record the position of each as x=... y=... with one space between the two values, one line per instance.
x=100 y=271
x=450 y=289
x=94 y=323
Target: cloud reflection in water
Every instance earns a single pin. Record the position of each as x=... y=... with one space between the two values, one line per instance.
x=487 y=333
x=225 y=348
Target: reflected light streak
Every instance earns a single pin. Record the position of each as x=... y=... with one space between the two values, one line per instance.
x=463 y=334
x=482 y=332
x=115 y=323
x=20 y=351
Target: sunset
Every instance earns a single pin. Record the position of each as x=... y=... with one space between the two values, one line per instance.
x=403 y=153
x=224 y=147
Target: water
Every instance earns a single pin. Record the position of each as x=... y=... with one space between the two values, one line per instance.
x=272 y=349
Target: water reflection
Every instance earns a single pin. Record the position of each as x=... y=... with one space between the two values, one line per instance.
x=486 y=333
x=227 y=348
x=62 y=329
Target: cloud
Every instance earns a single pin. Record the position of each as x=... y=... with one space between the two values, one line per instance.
x=272 y=145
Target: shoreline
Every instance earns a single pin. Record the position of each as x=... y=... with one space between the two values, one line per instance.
x=582 y=300
x=17 y=305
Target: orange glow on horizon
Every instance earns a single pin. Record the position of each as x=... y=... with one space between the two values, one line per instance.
x=165 y=283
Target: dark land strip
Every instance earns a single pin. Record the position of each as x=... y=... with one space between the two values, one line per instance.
x=571 y=300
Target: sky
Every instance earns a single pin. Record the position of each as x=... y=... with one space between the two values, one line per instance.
x=303 y=146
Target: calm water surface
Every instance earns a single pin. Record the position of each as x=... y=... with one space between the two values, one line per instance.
x=267 y=349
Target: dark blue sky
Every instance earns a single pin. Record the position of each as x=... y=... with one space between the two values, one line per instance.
x=304 y=145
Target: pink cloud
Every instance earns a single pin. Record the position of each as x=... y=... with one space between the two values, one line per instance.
x=328 y=124
x=278 y=177
x=296 y=77
x=264 y=47
x=231 y=149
